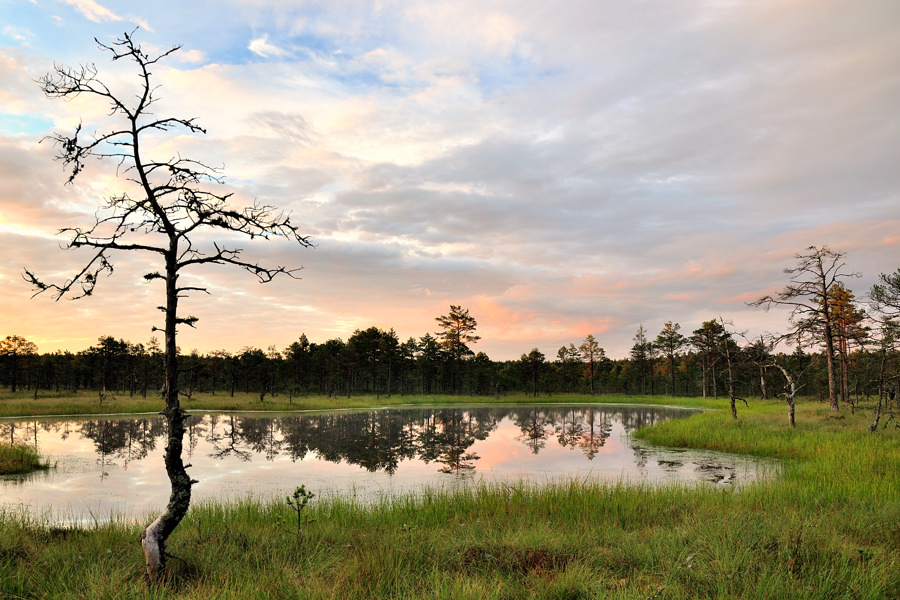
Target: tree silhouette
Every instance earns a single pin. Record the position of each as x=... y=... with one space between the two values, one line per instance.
x=670 y=342
x=642 y=355
x=885 y=295
x=457 y=332
x=533 y=365
x=592 y=353
x=707 y=339
x=166 y=204
x=12 y=347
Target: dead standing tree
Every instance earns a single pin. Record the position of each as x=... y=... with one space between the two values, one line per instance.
x=162 y=214
x=729 y=349
x=790 y=391
x=809 y=296
x=792 y=376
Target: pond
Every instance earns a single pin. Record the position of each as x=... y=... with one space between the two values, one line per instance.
x=113 y=466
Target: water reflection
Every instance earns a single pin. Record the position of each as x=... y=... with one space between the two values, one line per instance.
x=116 y=464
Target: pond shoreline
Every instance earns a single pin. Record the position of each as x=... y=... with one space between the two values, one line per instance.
x=365 y=453
x=23 y=407
x=306 y=411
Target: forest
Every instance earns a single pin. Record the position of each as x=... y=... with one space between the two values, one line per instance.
x=713 y=360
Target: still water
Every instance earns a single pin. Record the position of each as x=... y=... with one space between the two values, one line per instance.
x=114 y=466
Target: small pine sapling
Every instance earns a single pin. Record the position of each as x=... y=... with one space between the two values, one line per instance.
x=298 y=502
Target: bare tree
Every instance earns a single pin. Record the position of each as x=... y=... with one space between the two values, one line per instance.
x=790 y=391
x=792 y=376
x=167 y=203
x=809 y=296
x=728 y=349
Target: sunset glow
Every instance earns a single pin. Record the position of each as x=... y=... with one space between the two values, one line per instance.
x=559 y=170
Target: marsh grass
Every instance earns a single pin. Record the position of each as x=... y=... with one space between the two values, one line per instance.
x=16 y=459
x=87 y=403
x=827 y=527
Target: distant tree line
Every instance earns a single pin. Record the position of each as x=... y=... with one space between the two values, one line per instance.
x=714 y=360
x=375 y=362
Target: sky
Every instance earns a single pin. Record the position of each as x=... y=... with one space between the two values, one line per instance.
x=558 y=169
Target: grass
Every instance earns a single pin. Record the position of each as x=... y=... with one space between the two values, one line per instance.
x=827 y=527
x=87 y=403
x=16 y=459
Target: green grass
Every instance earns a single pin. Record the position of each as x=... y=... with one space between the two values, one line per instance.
x=827 y=527
x=18 y=460
x=87 y=403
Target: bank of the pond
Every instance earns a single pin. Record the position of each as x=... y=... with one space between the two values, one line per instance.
x=87 y=403
x=828 y=528
x=16 y=459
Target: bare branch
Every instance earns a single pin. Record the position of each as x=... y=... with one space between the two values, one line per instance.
x=85 y=280
x=192 y=289
x=171 y=203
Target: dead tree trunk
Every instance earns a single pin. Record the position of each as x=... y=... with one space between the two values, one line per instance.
x=731 y=395
x=173 y=205
x=763 y=393
x=154 y=537
x=790 y=393
x=726 y=343
x=882 y=390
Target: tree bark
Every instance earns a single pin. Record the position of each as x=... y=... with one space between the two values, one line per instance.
x=591 y=372
x=829 y=345
x=791 y=394
x=154 y=537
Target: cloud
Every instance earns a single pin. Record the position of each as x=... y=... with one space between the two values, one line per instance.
x=559 y=172
x=192 y=56
x=93 y=11
x=19 y=34
x=261 y=47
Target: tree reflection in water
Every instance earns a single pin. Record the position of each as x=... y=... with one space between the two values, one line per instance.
x=374 y=440
x=584 y=429
x=227 y=443
x=451 y=435
x=358 y=454
x=535 y=426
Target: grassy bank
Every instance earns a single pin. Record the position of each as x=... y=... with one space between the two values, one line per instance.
x=18 y=460
x=87 y=403
x=828 y=527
